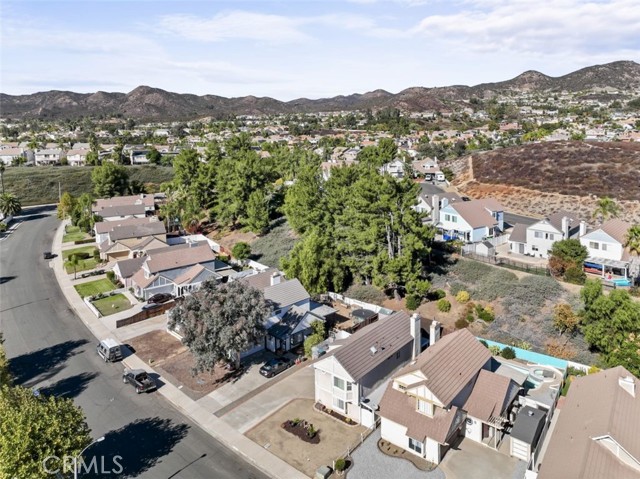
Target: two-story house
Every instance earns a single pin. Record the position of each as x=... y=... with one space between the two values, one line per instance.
x=596 y=434
x=350 y=378
x=394 y=168
x=78 y=156
x=537 y=239
x=446 y=392
x=471 y=221
x=607 y=252
x=50 y=156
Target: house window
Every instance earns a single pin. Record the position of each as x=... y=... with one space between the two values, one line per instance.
x=424 y=407
x=604 y=247
x=338 y=403
x=454 y=219
x=549 y=236
x=537 y=234
x=447 y=217
x=415 y=445
x=594 y=245
x=338 y=383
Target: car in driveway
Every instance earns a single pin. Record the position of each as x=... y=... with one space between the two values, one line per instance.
x=160 y=298
x=275 y=366
x=139 y=379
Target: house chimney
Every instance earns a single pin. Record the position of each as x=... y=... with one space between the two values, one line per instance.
x=276 y=278
x=434 y=332
x=628 y=384
x=142 y=196
x=583 y=228
x=435 y=209
x=565 y=227
x=415 y=334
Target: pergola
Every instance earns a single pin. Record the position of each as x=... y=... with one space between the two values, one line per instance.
x=605 y=265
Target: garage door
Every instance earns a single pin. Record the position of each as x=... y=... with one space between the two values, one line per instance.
x=519 y=449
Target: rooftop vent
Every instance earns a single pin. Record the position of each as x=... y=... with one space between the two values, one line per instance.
x=373 y=350
x=628 y=384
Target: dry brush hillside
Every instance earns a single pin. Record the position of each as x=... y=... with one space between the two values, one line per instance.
x=541 y=178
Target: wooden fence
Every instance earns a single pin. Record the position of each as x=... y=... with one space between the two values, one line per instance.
x=145 y=314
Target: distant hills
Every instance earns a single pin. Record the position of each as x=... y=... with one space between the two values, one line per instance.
x=146 y=103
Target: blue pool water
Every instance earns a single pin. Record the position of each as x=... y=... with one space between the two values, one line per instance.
x=621 y=282
x=533 y=357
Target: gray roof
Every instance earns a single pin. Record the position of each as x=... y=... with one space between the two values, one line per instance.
x=286 y=293
x=556 y=220
x=387 y=336
x=128 y=267
x=450 y=364
x=295 y=317
x=106 y=226
x=519 y=233
x=137 y=230
x=123 y=210
x=528 y=425
x=260 y=280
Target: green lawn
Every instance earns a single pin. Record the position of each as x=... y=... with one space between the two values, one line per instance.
x=73 y=233
x=112 y=304
x=83 y=264
x=94 y=287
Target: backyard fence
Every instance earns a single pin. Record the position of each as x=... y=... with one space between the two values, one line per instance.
x=508 y=263
x=145 y=314
x=350 y=303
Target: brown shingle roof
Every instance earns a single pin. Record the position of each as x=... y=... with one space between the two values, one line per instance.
x=450 y=364
x=286 y=293
x=387 y=335
x=137 y=230
x=475 y=212
x=596 y=406
x=401 y=409
x=170 y=258
x=189 y=274
x=617 y=229
x=123 y=210
x=261 y=280
x=128 y=267
x=102 y=203
x=491 y=395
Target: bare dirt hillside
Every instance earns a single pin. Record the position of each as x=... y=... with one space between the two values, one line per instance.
x=538 y=179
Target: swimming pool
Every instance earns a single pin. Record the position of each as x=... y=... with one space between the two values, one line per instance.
x=621 y=282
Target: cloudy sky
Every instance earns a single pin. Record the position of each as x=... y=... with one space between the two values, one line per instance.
x=303 y=48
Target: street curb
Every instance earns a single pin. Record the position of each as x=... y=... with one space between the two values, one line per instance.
x=271 y=465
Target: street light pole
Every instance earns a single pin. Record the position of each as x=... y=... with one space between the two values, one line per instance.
x=75 y=459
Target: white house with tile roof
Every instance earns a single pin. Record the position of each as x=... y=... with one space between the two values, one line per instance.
x=471 y=221
x=607 y=251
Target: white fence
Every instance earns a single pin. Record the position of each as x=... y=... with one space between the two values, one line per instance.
x=350 y=302
x=87 y=300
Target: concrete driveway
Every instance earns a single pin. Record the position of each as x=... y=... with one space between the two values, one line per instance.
x=470 y=459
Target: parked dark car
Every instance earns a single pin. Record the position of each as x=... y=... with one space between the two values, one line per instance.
x=47 y=255
x=275 y=366
x=160 y=298
x=139 y=379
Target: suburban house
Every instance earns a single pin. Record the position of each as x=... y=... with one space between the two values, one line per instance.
x=537 y=239
x=50 y=156
x=118 y=213
x=607 y=253
x=596 y=435
x=350 y=379
x=129 y=241
x=471 y=221
x=450 y=390
x=394 y=168
x=432 y=203
x=177 y=270
x=101 y=229
x=78 y=157
x=147 y=201
x=428 y=169
x=8 y=155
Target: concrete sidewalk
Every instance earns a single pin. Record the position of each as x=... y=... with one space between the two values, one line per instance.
x=216 y=427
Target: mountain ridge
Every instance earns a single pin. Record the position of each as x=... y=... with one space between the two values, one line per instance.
x=150 y=103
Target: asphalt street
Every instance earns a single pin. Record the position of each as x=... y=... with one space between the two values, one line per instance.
x=51 y=349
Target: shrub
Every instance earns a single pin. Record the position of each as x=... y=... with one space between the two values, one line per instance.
x=508 y=353
x=241 y=250
x=366 y=293
x=560 y=350
x=524 y=345
x=575 y=275
x=111 y=276
x=412 y=302
x=340 y=464
x=470 y=271
x=456 y=287
x=571 y=371
x=486 y=314
x=444 y=305
x=463 y=297
x=494 y=350
x=436 y=295
x=461 y=323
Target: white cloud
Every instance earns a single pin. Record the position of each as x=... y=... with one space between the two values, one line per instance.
x=562 y=27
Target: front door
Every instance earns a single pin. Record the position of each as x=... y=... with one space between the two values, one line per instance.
x=521 y=248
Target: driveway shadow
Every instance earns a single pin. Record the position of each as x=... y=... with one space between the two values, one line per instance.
x=70 y=387
x=140 y=444
x=31 y=368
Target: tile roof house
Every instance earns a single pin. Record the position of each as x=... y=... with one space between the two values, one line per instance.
x=101 y=229
x=607 y=251
x=537 y=239
x=448 y=390
x=147 y=201
x=131 y=240
x=471 y=221
x=596 y=435
x=177 y=270
x=349 y=378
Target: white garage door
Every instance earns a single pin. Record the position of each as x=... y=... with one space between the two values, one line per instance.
x=519 y=449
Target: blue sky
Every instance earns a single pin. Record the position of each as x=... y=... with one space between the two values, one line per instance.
x=300 y=48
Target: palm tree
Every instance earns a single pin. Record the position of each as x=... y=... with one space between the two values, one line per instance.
x=2 y=176
x=633 y=240
x=74 y=261
x=607 y=208
x=10 y=204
